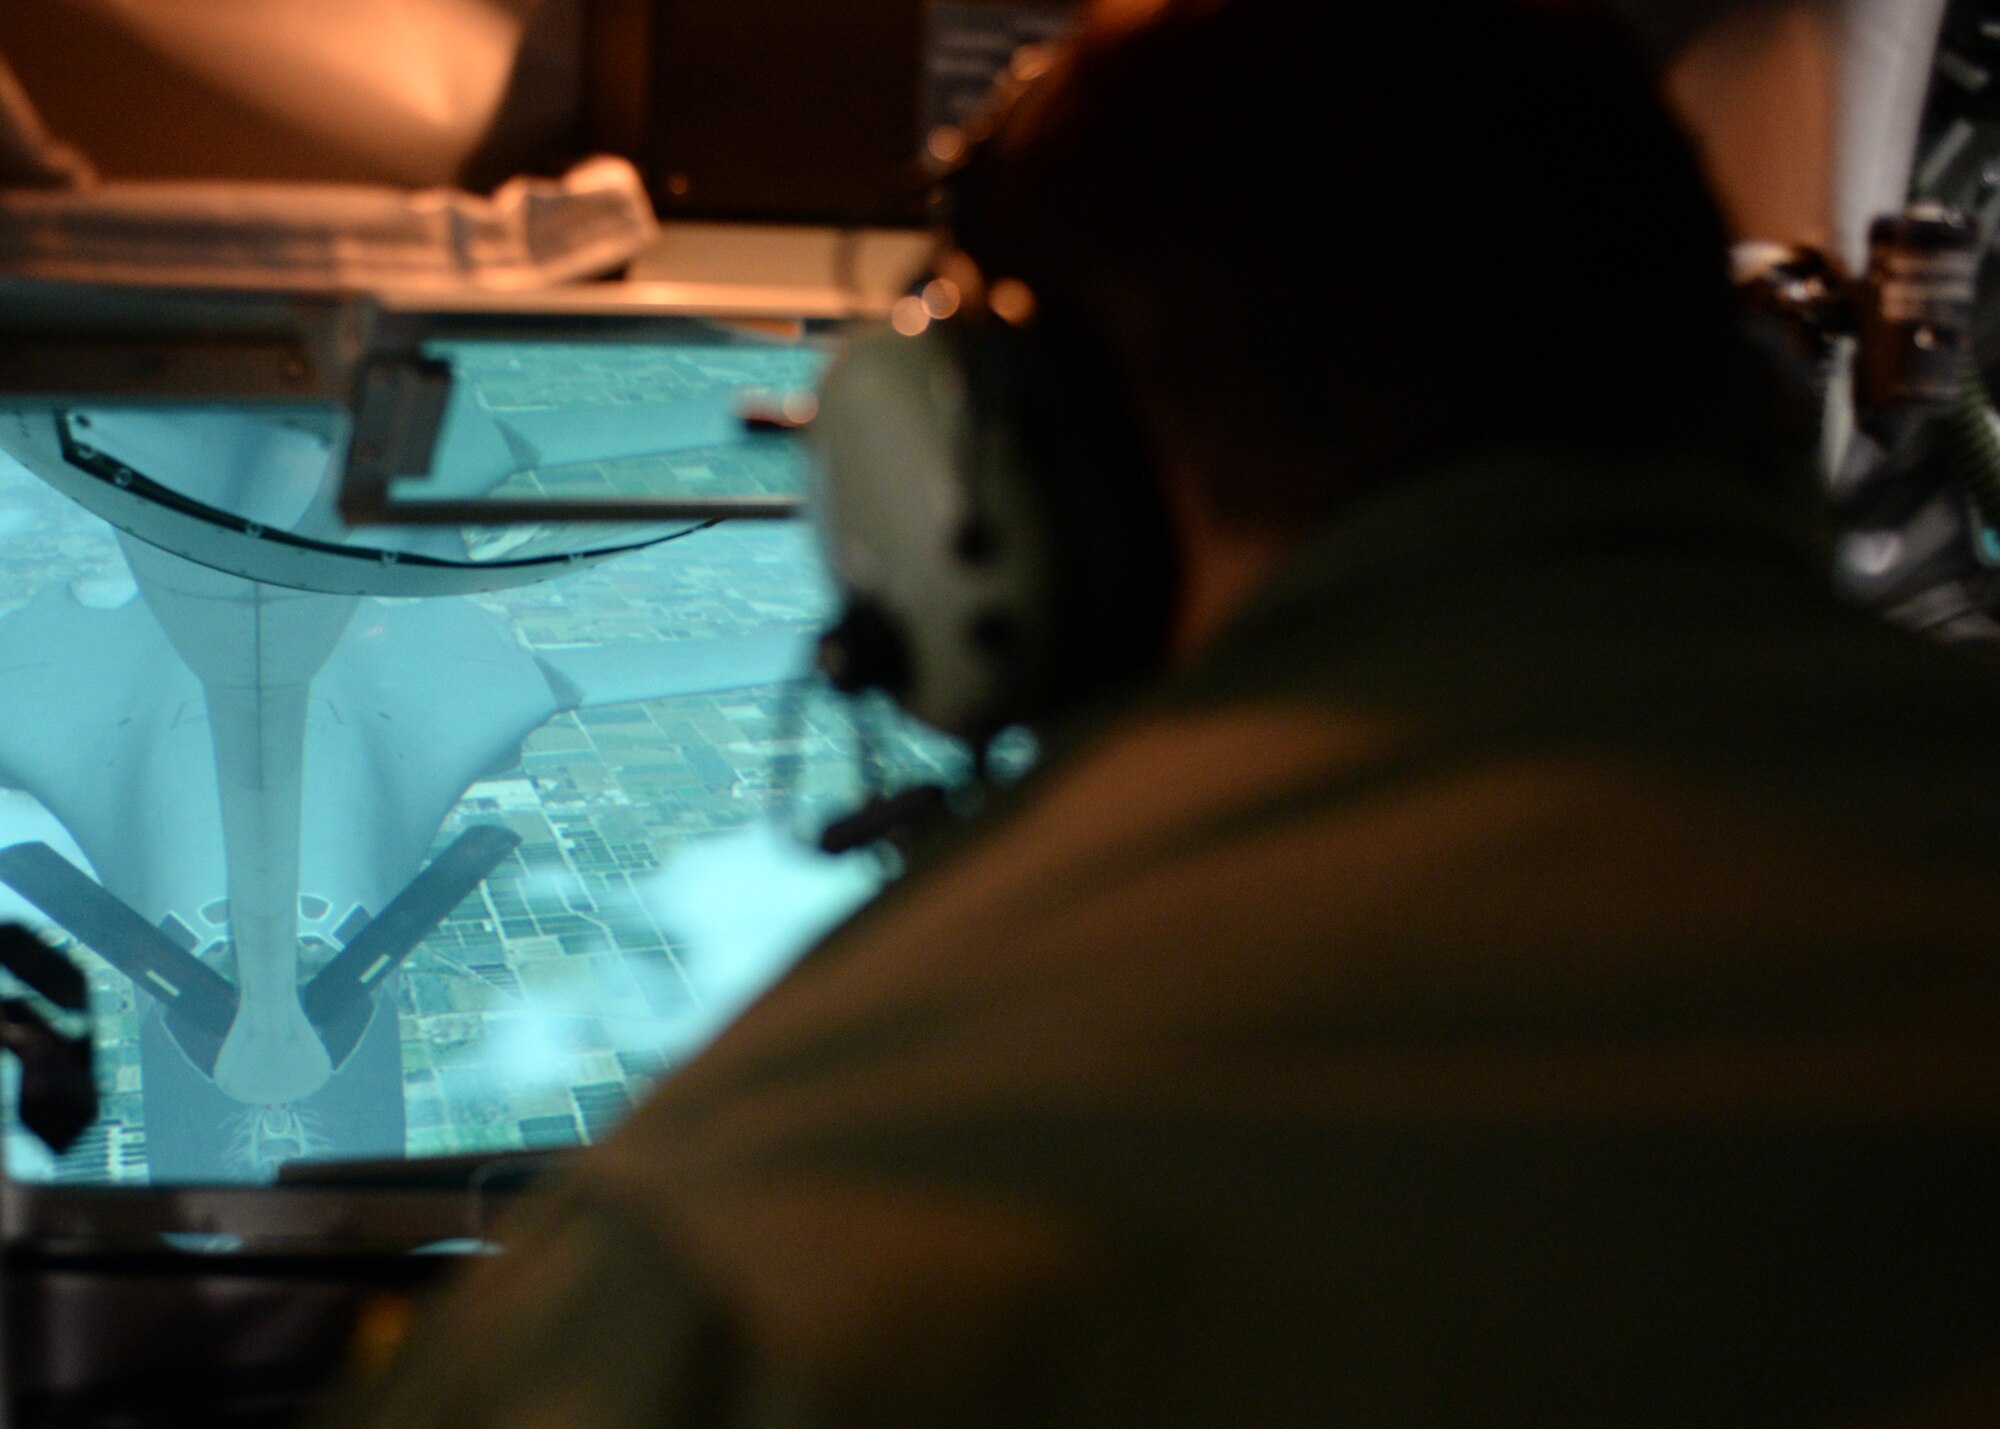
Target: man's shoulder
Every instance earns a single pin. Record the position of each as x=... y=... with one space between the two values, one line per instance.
x=1289 y=959
x=1242 y=861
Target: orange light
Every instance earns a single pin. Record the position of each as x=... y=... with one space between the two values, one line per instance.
x=909 y=316
x=947 y=143
x=1013 y=301
x=963 y=274
x=941 y=298
x=1030 y=63
x=785 y=329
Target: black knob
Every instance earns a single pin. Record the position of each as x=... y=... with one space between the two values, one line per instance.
x=866 y=650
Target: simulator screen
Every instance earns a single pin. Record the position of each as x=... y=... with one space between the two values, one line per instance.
x=419 y=842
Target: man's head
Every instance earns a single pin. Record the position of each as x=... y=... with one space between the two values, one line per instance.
x=1326 y=245
x=1281 y=254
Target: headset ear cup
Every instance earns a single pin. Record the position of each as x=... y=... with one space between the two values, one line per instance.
x=939 y=549
x=866 y=649
x=999 y=536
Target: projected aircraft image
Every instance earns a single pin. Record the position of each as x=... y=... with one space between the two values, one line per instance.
x=242 y=740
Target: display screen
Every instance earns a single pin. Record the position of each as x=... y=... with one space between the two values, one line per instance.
x=968 y=44
x=701 y=412
x=664 y=420
x=456 y=848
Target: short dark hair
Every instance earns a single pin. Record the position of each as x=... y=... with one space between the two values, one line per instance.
x=1325 y=244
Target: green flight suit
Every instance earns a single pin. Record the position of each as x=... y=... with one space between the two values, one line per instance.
x=1540 y=967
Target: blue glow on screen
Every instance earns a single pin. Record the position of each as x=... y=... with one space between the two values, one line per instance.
x=624 y=722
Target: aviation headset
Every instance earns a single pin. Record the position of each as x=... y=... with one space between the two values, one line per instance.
x=984 y=495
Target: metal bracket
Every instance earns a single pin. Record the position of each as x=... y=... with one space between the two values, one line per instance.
x=399 y=406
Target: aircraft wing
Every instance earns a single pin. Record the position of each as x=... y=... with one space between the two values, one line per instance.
x=104 y=725
x=586 y=678
x=421 y=700
x=66 y=668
